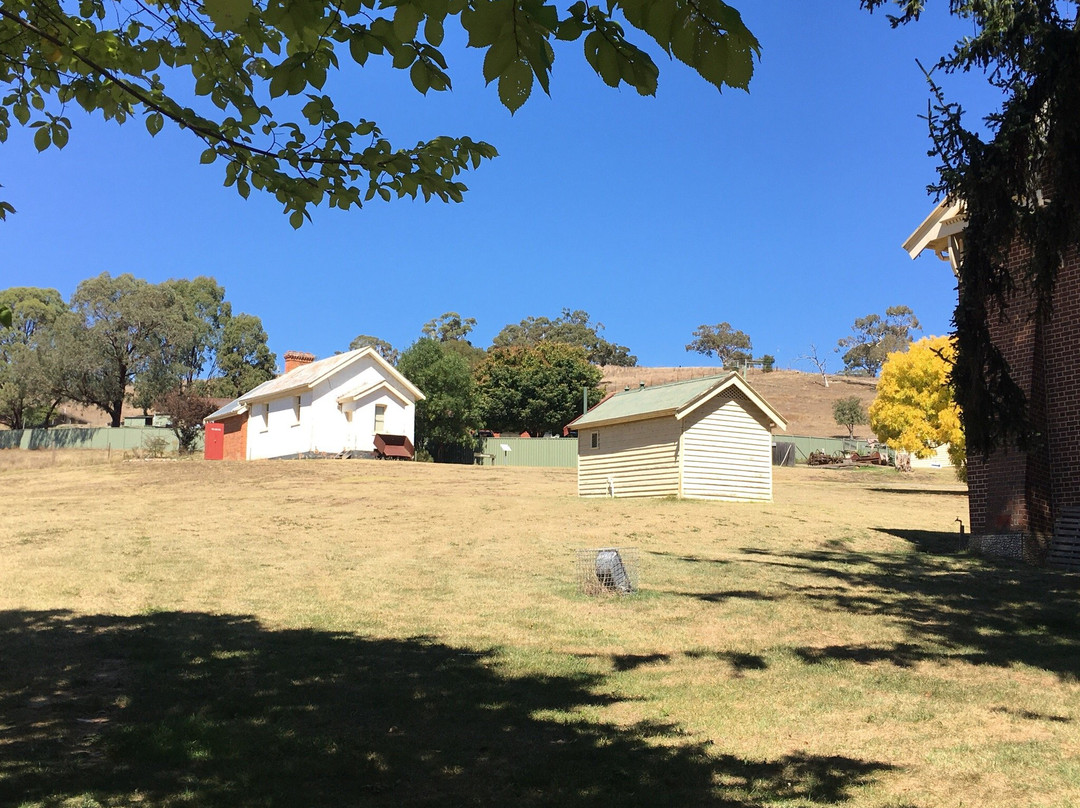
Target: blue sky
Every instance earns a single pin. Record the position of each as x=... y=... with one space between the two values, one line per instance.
x=781 y=211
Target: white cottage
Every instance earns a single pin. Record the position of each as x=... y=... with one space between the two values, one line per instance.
x=701 y=439
x=335 y=405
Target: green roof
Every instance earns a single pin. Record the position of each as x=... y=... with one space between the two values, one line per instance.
x=667 y=399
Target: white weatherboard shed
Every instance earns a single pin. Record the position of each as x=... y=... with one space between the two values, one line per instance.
x=333 y=405
x=701 y=439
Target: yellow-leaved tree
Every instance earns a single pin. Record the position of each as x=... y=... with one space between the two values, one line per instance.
x=914 y=410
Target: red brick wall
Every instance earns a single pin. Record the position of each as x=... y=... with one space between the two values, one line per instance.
x=1017 y=493
x=235 y=440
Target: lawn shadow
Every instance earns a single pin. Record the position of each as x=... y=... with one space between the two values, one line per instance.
x=946 y=492
x=724 y=595
x=950 y=607
x=219 y=710
x=690 y=559
x=935 y=542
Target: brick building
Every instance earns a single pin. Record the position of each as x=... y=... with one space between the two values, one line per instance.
x=1026 y=504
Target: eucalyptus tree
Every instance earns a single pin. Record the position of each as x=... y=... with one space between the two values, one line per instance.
x=35 y=365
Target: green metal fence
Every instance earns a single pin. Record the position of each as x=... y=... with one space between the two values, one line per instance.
x=121 y=438
x=534 y=452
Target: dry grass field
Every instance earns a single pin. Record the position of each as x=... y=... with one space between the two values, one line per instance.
x=354 y=633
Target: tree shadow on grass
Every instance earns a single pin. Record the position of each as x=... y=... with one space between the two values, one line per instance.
x=218 y=710
x=969 y=609
x=935 y=542
x=940 y=492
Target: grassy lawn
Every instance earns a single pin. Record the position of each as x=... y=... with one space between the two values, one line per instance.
x=346 y=633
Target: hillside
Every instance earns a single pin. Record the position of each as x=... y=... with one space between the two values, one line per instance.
x=801 y=398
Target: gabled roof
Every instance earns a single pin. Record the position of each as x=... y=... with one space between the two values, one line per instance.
x=942 y=231
x=382 y=385
x=677 y=399
x=308 y=376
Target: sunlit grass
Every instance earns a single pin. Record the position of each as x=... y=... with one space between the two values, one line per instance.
x=363 y=633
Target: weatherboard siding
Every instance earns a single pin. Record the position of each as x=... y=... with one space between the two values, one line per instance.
x=640 y=459
x=727 y=452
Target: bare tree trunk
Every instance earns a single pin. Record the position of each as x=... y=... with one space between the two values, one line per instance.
x=819 y=363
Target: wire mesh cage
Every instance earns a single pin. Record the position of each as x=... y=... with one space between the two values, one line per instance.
x=608 y=570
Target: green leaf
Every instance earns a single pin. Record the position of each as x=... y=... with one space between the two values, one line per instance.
x=568 y=30
x=227 y=15
x=433 y=31
x=499 y=57
x=154 y=122
x=296 y=219
x=59 y=135
x=404 y=56
x=41 y=138
x=486 y=20
x=420 y=77
x=208 y=156
x=515 y=85
x=406 y=20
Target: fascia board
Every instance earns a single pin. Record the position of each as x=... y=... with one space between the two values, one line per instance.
x=734 y=380
x=947 y=219
x=383 y=384
x=626 y=419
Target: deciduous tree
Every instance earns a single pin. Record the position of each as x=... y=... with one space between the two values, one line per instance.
x=448 y=413
x=221 y=70
x=536 y=388
x=186 y=408
x=849 y=412
x=721 y=340
x=875 y=337
x=914 y=409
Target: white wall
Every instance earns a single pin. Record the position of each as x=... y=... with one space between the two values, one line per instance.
x=323 y=426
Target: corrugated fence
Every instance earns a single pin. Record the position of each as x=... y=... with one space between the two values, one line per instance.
x=536 y=452
x=121 y=438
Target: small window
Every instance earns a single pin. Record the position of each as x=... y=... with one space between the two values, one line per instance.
x=380 y=419
x=296 y=409
x=595 y=440
x=266 y=415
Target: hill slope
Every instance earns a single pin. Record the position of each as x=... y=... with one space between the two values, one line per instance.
x=801 y=398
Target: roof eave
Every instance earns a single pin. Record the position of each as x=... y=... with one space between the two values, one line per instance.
x=734 y=380
x=625 y=419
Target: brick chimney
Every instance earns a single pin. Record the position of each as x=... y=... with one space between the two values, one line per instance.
x=294 y=359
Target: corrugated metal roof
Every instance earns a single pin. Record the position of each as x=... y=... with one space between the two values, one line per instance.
x=668 y=399
x=300 y=377
x=648 y=402
x=234 y=407
x=307 y=376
